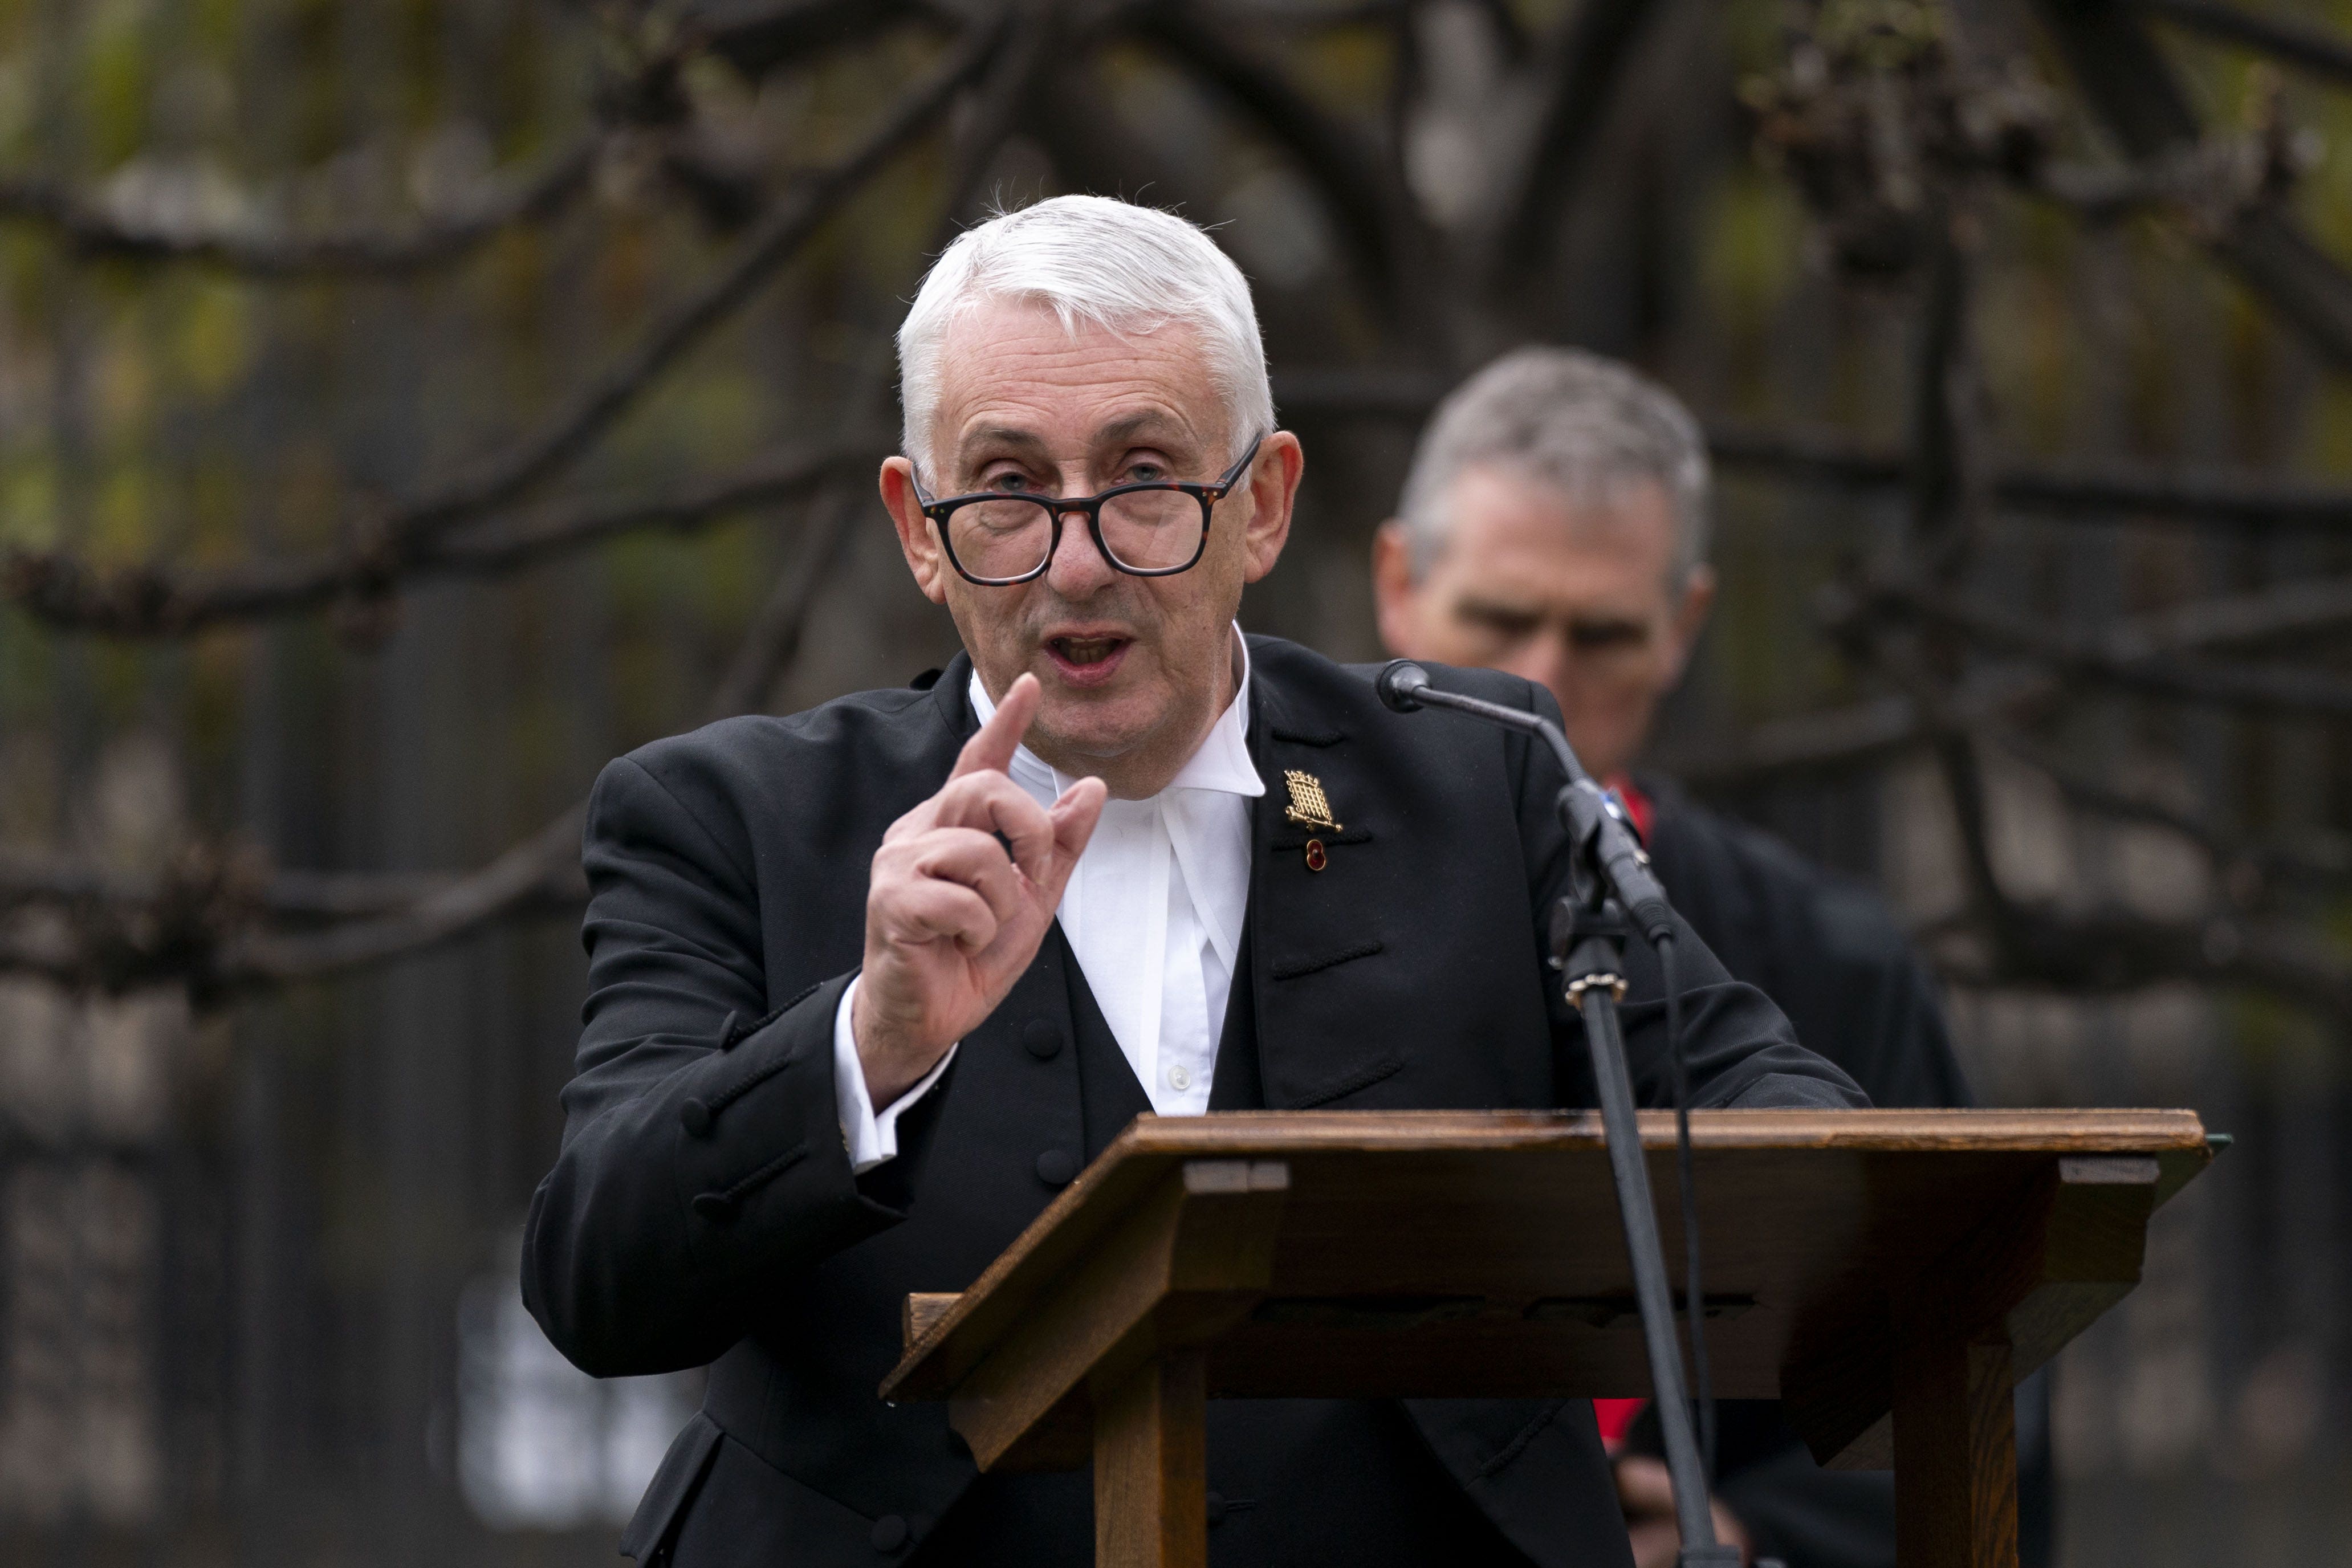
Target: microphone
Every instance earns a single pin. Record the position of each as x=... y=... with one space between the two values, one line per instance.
x=1399 y=685
x=1589 y=953
x=1591 y=814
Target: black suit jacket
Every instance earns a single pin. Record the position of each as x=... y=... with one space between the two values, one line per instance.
x=703 y=1209
x=1825 y=948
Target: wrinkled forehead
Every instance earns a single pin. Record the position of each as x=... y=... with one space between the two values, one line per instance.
x=1017 y=370
x=1509 y=518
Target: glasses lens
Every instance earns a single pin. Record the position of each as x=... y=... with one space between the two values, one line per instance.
x=1000 y=538
x=1153 y=530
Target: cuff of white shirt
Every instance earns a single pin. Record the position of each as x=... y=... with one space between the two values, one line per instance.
x=873 y=1138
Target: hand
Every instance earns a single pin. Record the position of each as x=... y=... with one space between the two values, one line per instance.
x=951 y=920
x=1647 y=1495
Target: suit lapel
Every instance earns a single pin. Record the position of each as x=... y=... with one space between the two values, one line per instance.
x=1316 y=903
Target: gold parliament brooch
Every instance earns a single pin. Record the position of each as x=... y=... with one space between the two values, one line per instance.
x=1310 y=808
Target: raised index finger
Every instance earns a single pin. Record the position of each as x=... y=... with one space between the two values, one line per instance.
x=992 y=749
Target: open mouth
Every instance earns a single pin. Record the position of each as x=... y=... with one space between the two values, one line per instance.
x=1084 y=651
x=1086 y=661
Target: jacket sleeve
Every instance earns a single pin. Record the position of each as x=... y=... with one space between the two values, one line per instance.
x=1893 y=1039
x=702 y=1161
x=1740 y=1050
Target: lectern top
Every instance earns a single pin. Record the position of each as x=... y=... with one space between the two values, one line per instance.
x=1464 y=1252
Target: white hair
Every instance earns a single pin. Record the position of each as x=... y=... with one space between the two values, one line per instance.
x=1582 y=424
x=1108 y=264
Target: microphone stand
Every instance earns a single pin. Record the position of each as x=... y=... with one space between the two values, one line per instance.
x=1610 y=876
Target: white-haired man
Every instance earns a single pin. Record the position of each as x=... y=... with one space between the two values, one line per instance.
x=1554 y=525
x=869 y=984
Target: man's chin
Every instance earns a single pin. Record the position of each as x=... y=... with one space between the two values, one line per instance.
x=1082 y=732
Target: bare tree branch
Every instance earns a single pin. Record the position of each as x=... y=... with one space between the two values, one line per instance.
x=1862 y=734
x=542 y=871
x=1093 y=149
x=154 y=601
x=1868 y=732
x=2290 y=609
x=2135 y=92
x=58 y=882
x=2086 y=492
x=227 y=953
x=753 y=36
x=169 y=936
x=67 y=593
x=2121 y=661
x=591 y=411
x=1339 y=161
x=1307 y=14
x=1583 y=63
x=41 y=956
x=773 y=639
x=757 y=35
x=2112 y=950
x=2036 y=943
x=2215 y=181
x=2242 y=501
x=93 y=228
x=2314 y=49
x=521 y=872
x=2321 y=858
x=534 y=538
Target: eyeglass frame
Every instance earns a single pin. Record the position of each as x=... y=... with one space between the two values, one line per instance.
x=1056 y=506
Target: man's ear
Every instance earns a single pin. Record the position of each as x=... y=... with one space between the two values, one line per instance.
x=1690 y=615
x=1272 y=485
x=1393 y=589
x=917 y=540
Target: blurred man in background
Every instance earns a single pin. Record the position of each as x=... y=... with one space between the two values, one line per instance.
x=1554 y=525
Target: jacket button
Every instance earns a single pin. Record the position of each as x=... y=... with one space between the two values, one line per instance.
x=695 y=1117
x=1216 y=1509
x=889 y=1532
x=1056 y=1166
x=714 y=1205
x=1044 y=1041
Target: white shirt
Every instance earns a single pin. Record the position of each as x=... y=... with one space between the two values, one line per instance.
x=1153 y=912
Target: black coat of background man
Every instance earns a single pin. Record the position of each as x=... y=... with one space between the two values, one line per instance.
x=847 y=1035
x=1554 y=526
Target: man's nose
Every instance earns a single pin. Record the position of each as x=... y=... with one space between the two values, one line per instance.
x=1078 y=569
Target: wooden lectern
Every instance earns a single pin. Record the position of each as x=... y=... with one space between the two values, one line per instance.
x=1888 y=1275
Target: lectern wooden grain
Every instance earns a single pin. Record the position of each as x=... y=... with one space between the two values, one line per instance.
x=1888 y=1275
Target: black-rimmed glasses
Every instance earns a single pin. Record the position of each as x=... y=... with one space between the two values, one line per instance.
x=1156 y=528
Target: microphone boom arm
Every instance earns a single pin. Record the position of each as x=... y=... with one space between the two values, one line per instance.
x=1595 y=823
x=1588 y=953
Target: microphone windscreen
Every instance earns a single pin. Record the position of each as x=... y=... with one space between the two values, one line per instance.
x=1398 y=683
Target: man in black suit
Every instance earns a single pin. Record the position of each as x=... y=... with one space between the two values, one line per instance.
x=1554 y=526
x=867 y=984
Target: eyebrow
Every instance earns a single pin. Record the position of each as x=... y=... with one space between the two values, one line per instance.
x=1477 y=604
x=1020 y=440
x=1147 y=424
x=1500 y=610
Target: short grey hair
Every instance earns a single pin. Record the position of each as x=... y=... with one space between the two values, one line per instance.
x=1113 y=265
x=1587 y=424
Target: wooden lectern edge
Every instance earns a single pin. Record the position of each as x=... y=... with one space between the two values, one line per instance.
x=2177 y=1138
x=2004 y=1286
x=1228 y=1132
x=924 y=1308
